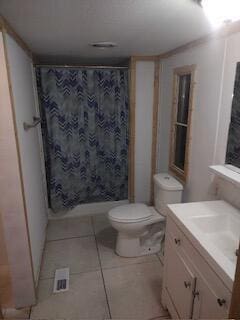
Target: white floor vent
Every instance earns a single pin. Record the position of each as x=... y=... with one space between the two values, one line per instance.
x=61 y=280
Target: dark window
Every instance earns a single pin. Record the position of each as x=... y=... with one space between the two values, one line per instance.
x=181 y=119
x=183 y=98
x=180 y=146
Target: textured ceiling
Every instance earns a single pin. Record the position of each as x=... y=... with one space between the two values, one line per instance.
x=59 y=31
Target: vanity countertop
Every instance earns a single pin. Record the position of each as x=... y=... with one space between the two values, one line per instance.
x=213 y=227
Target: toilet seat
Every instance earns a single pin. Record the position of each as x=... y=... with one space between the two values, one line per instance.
x=130 y=213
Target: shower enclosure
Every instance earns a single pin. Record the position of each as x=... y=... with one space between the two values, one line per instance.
x=85 y=127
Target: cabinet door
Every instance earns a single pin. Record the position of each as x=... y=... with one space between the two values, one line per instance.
x=180 y=281
x=207 y=303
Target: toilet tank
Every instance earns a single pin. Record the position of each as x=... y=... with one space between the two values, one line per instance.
x=167 y=190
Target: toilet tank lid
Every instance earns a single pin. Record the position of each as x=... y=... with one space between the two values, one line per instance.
x=167 y=182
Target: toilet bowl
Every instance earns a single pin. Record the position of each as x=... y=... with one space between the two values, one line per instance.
x=140 y=227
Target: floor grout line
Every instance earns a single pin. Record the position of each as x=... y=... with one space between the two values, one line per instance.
x=62 y=239
x=107 y=268
x=104 y=285
x=101 y=268
x=159 y=317
x=73 y=274
x=131 y=264
x=159 y=259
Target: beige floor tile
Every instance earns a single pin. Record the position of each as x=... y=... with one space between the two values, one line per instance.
x=85 y=299
x=160 y=318
x=69 y=228
x=101 y=224
x=79 y=254
x=17 y=313
x=134 y=292
x=155 y=318
x=106 y=242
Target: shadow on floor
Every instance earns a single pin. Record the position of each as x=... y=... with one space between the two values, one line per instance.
x=107 y=237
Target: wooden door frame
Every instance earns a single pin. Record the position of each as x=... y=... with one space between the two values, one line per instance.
x=234 y=312
x=132 y=108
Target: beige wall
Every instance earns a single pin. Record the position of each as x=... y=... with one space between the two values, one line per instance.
x=215 y=74
x=12 y=204
x=209 y=61
x=5 y=278
x=22 y=80
x=143 y=130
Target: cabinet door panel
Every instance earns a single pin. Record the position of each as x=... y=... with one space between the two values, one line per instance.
x=180 y=282
x=208 y=304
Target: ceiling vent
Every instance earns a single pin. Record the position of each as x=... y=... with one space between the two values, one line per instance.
x=103 y=45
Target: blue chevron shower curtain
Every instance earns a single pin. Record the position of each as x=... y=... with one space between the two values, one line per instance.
x=85 y=132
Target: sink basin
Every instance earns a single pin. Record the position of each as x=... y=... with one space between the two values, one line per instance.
x=222 y=230
x=214 y=229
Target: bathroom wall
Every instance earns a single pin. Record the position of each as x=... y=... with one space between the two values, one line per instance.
x=21 y=75
x=12 y=204
x=209 y=60
x=214 y=82
x=143 y=129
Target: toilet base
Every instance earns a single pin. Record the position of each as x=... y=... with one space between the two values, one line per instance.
x=131 y=247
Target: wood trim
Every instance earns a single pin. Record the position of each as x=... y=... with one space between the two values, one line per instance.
x=155 y=125
x=145 y=58
x=18 y=153
x=189 y=130
x=234 y=312
x=5 y=26
x=224 y=32
x=181 y=174
x=172 y=132
x=1 y=313
x=132 y=107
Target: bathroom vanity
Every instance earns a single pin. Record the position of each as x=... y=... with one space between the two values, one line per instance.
x=200 y=259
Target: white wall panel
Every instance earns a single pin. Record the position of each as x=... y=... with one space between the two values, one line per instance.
x=209 y=60
x=143 y=133
x=12 y=204
x=24 y=102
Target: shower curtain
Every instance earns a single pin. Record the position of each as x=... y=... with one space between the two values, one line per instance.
x=85 y=132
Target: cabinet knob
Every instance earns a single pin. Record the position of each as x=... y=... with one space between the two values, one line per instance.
x=196 y=294
x=177 y=241
x=187 y=284
x=221 y=302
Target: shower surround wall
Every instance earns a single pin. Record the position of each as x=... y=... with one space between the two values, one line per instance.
x=85 y=131
x=22 y=206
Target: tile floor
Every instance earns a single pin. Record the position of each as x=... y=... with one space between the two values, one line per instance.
x=102 y=284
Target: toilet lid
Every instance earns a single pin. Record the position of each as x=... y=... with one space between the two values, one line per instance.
x=130 y=213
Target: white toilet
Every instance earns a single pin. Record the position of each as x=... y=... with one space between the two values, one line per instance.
x=141 y=228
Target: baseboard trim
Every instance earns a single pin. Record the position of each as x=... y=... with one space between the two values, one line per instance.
x=87 y=209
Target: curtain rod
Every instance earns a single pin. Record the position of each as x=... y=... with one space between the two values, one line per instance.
x=77 y=66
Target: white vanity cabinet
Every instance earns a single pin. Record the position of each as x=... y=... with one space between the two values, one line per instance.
x=191 y=288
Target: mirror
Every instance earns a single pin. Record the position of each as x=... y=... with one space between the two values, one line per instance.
x=233 y=144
